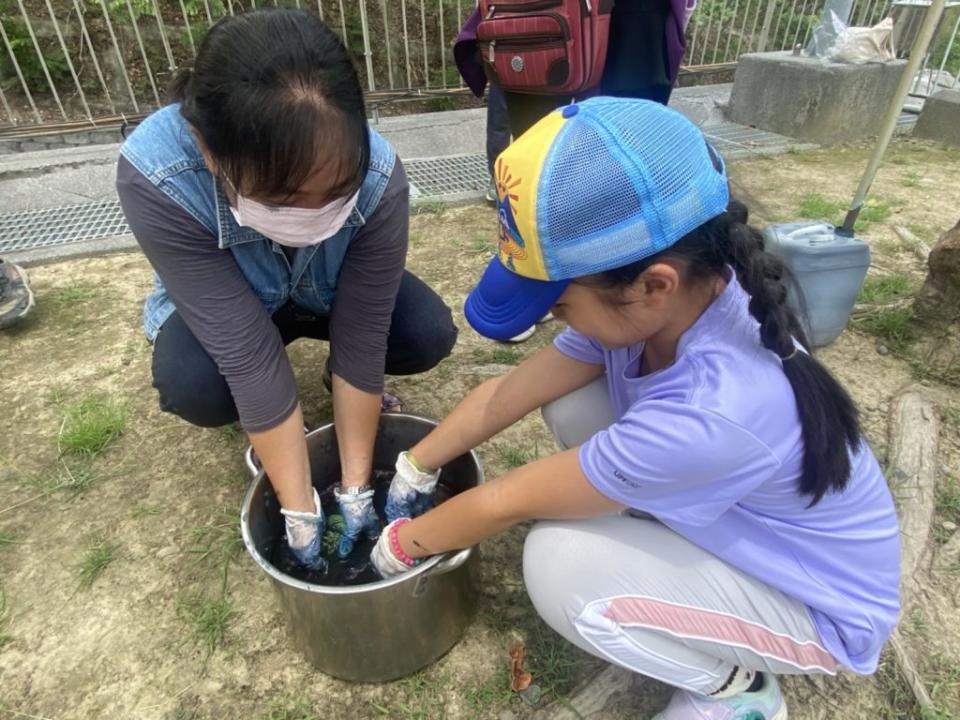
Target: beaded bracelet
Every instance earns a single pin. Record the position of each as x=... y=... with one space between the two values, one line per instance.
x=395 y=543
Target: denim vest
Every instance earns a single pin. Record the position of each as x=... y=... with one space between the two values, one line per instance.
x=164 y=150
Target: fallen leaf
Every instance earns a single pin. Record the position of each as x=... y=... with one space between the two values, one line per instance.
x=519 y=679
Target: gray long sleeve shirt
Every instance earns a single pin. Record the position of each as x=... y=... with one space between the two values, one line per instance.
x=222 y=311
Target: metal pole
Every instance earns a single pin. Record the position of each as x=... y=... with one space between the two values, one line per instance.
x=43 y=60
x=917 y=53
x=6 y=107
x=93 y=56
x=767 y=21
x=726 y=48
x=66 y=54
x=406 y=43
x=116 y=48
x=343 y=25
x=143 y=52
x=423 y=30
x=443 y=47
x=946 y=52
x=16 y=67
x=386 y=37
x=367 y=53
x=171 y=63
x=186 y=23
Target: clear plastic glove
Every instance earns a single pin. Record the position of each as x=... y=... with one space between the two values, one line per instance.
x=304 y=532
x=384 y=558
x=359 y=517
x=411 y=490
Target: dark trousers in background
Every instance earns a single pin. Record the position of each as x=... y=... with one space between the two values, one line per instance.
x=422 y=334
x=498 y=124
x=636 y=64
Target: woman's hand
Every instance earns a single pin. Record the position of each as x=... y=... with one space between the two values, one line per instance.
x=411 y=490
x=359 y=517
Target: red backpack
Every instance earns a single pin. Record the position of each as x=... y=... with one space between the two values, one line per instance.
x=546 y=47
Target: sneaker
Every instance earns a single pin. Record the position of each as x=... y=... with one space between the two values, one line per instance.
x=492 y=192
x=16 y=299
x=525 y=335
x=764 y=704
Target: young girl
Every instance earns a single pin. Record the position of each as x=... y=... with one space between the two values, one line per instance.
x=716 y=517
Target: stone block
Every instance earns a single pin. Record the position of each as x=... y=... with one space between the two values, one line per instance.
x=940 y=119
x=813 y=99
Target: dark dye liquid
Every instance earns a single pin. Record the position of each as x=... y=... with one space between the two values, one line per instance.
x=356 y=568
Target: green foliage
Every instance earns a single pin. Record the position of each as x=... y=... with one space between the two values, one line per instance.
x=91 y=424
x=4 y=618
x=289 y=710
x=884 y=289
x=892 y=326
x=207 y=618
x=486 y=697
x=31 y=65
x=73 y=294
x=816 y=207
x=514 y=457
x=99 y=553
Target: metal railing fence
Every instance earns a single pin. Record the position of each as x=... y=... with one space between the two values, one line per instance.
x=89 y=60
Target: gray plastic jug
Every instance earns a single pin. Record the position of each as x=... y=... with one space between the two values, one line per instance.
x=829 y=269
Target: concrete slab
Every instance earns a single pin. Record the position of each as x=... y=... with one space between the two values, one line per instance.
x=940 y=119
x=812 y=99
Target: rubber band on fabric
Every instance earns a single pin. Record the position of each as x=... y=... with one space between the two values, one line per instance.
x=791 y=356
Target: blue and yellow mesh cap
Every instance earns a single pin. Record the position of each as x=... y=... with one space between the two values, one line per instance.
x=591 y=187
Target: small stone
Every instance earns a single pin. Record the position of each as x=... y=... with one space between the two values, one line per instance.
x=531 y=696
x=948 y=526
x=166 y=552
x=506 y=715
x=883 y=350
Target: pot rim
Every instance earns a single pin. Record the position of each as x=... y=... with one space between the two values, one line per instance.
x=423 y=568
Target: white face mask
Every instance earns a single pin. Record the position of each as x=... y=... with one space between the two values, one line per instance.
x=291 y=226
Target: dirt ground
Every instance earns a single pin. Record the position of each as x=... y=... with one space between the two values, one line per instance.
x=175 y=622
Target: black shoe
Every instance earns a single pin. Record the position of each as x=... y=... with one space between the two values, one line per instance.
x=16 y=300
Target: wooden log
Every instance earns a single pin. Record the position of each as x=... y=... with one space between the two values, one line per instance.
x=593 y=698
x=913 y=435
x=912 y=470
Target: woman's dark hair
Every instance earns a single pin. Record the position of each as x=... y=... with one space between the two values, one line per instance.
x=271 y=92
x=828 y=417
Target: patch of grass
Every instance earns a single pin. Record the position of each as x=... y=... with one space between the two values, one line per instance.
x=506 y=355
x=56 y=394
x=553 y=662
x=421 y=698
x=431 y=207
x=7 y=538
x=892 y=326
x=492 y=694
x=218 y=542
x=75 y=476
x=142 y=510
x=207 y=619
x=911 y=180
x=288 y=710
x=91 y=424
x=73 y=295
x=415 y=238
x=98 y=554
x=4 y=618
x=514 y=457
x=816 y=207
x=947 y=508
x=884 y=289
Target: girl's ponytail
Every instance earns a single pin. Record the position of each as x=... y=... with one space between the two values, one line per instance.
x=828 y=416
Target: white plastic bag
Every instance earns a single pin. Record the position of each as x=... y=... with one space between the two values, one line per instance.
x=859 y=45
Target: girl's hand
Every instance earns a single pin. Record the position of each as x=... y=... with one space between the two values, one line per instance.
x=388 y=557
x=411 y=490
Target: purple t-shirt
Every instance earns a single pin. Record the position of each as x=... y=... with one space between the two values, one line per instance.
x=712 y=447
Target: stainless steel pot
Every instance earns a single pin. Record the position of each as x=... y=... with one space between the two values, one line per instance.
x=383 y=630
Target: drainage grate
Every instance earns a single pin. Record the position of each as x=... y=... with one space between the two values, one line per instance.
x=736 y=142
x=58 y=226
x=457 y=174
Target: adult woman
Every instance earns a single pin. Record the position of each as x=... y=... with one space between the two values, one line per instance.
x=761 y=537
x=271 y=211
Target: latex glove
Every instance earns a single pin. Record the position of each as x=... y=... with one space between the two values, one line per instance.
x=411 y=490
x=359 y=517
x=304 y=532
x=383 y=557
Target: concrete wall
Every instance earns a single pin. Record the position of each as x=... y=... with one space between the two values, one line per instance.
x=811 y=99
x=940 y=119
